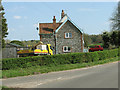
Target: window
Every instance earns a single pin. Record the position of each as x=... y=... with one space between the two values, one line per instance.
x=66 y=49
x=68 y=35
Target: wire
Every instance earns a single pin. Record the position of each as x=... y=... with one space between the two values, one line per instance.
x=51 y=8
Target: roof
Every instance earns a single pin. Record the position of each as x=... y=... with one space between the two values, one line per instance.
x=47 y=28
x=64 y=20
x=13 y=45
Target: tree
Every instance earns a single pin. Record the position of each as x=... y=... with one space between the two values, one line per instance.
x=115 y=21
x=3 y=25
x=87 y=40
x=106 y=39
x=96 y=39
x=115 y=24
x=118 y=38
x=114 y=38
x=111 y=39
x=7 y=41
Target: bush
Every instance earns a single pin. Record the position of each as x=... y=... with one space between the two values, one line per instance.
x=71 y=58
x=119 y=51
x=22 y=62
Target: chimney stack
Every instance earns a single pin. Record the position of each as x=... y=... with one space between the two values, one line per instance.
x=54 y=23
x=62 y=14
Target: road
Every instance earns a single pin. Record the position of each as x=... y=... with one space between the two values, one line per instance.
x=100 y=76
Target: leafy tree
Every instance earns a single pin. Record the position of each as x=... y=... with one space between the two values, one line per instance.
x=96 y=39
x=111 y=39
x=114 y=38
x=106 y=39
x=119 y=38
x=115 y=30
x=3 y=25
x=7 y=41
x=30 y=42
x=115 y=24
x=87 y=40
x=92 y=39
x=17 y=42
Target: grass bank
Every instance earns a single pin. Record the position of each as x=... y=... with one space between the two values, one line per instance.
x=52 y=68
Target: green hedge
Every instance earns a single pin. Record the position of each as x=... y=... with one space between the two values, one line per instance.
x=71 y=58
x=108 y=54
x=119 y=52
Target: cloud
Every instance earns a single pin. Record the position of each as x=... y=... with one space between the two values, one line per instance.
x=17 y=17
x=87 y=9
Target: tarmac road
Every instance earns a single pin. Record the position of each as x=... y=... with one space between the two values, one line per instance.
x=100 y=76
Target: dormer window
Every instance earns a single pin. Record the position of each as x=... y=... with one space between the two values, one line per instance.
x=68 y=35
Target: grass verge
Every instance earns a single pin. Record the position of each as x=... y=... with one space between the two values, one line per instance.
x=45 y=69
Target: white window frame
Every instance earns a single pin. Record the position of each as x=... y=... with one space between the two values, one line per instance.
x=66 y=49
x=68 y=35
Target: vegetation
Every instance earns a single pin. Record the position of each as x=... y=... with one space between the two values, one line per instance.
x=52 y=68
x=112 y=39
x=60 y=59
x=119 y=51
x=30 y=43
x=106 y=39
x=92 y=39
x=115 y=24
x=3 y=25
x=92 y=45
x=43 y=64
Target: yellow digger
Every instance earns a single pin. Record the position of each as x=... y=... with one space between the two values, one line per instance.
x=39 y=49
x=43 y=50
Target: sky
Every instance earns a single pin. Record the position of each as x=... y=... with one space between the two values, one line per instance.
x=23 y=17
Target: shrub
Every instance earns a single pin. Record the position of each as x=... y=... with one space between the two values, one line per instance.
x=119 y=51
x=71 y=58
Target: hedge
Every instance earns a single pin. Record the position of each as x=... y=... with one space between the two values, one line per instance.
x=71 y=58
x=119 y=51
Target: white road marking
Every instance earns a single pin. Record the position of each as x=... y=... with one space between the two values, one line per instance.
x=59 y=78
x=40 y=83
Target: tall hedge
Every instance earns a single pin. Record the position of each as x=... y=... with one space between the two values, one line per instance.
x=71 y=58
x=119 y=52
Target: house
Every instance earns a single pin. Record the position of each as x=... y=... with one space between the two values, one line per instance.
x=64 y=36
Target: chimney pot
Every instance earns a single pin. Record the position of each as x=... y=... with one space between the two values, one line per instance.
x=54 y=19
x=62 y=14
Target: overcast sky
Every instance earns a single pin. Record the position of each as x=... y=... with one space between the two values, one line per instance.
x=22 y=18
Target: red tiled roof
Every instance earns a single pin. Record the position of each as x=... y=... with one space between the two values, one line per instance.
x=47 y=28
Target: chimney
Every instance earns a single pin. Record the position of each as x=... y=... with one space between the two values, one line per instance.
x=62 y=14
x=54 y=23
